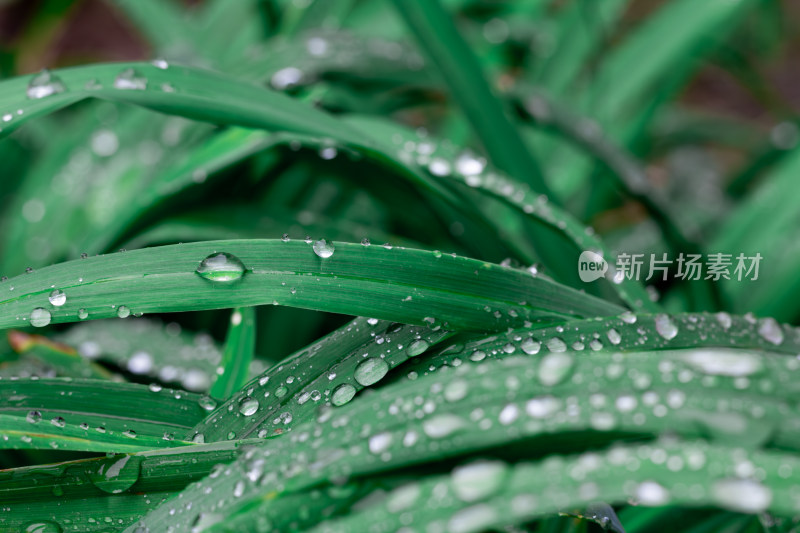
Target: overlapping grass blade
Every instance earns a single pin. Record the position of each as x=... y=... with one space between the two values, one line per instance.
x=94 y=415
x=330 y=371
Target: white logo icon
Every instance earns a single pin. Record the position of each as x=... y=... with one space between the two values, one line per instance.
x=591 y=266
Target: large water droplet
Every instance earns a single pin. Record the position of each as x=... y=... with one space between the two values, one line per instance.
x=417 y=347
x=207 y=403
x=666 y=327
x=719 y=361
x=116 y=474
x=651 y=493
x=380 y=442
x=743 y=495
x=140 y=362
x=248 y=406
x=323 y=248
x=478 y=480
x=442 y=425
x=44 y=84
x=530 y=346
x=123 y=311
x=130 y=79
x=554 y=368
x=221 y=267
x=371 y=371
x=770 y=330
x=41 y=526
x=343 y=394
x=40 y=317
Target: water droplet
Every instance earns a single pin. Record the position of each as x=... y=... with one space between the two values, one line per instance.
x=650 y=493
x=439 y=167
x=743 y=495
x=123 y=311
x=130 y=79
x=343 y=394
x=479 y=480
x=380 y=442
x=372 y=321
x=208 y=403
x=40 y=317
x=614 y=336
x=509 y=414
x=198 y=438
x=161 y=63
x=286 y=78
x=44 y=84
x=719 y=361
x=530 y=346
x=140 y=362
x=221 y=267
x=556 y=345
x=238 y=489
x=371 y=371
x=248 y=406
x=41 y=526
x=131 y=434
x=33 y=417
x=665 y=327
x=770 y=330
x=628 y=317
x=116 y=474
x=554 y=368
x=365 y=242
x=83 y=314
x=323 y=248
x=417 y=347
x=469 y=165
x=442 y=425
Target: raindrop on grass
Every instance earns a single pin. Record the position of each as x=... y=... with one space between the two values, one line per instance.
x=323 y=248
x=743 y=495
x=365 y=242
x=371 y=371
x=221 y=266
x=44 y=84
x=248 y=406
x=40 y=317
x=41 y=526
x=554 y=368
x=478 y=480
x=530 y=346
x=207 y=403
x=33 y=417
x=130 y=79
x=343 y=394
x=83 y=314
x=116 y=474
x=771 y=331
x=651 y=493
x=666 y=327
x=417 y=347
x=123 y=311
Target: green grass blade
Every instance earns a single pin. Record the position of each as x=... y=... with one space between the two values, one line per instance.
x=238 y=354
x=332 y=370
x=438 y=36
x=95 y=415
x=393 y=284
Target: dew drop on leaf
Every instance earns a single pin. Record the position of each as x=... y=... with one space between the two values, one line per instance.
x=743 y=495
x=479 y=480
x=770 y=331
x=554 y=368
x=116 y=474
x=343 y=394
x=43 y=85
x=323 y=248
x=248 y=406
x=207 y=403
x=666 y=327
x=40 y=317
x=131 y=80
x=650 y=493
x=123 y=311
x=371 y=371
x=417 y=347
x=33 y=417
x=222 y=267
x=41 y=526
x=83 y=314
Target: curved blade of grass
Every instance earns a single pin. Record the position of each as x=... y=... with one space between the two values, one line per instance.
x=394 y=284
x=518 y=493
x=78 y=494
x=237 y=355
x=92 y=415
x=442 y=161
x=627 y=333
x=151 y=348
x=477 y=408
x=459 y=68
x=331 y=370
